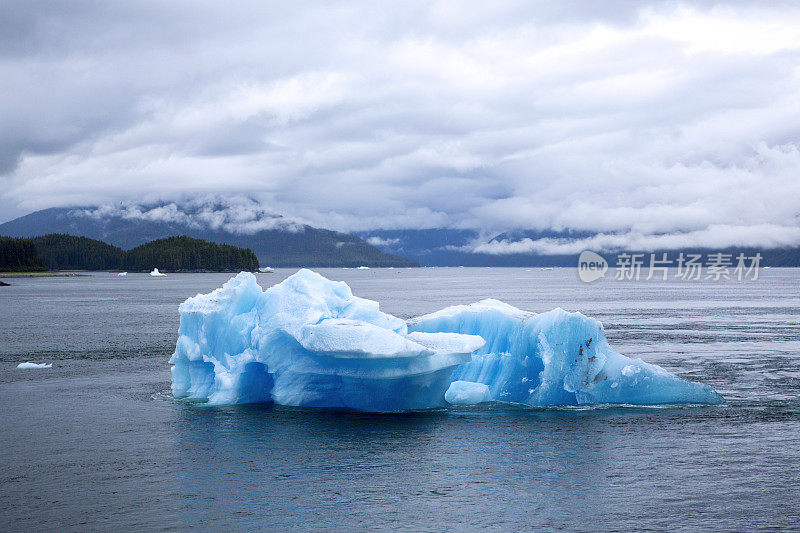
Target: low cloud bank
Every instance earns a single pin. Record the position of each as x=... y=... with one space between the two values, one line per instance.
x=240 y=215
x=715 y=237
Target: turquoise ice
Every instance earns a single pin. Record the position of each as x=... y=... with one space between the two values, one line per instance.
x=555 y=358
x=309 y=341
x=466 y=393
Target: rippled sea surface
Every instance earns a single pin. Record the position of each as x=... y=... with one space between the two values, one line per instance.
x=96 y=442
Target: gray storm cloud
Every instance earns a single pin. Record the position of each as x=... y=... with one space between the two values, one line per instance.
x=646 y=122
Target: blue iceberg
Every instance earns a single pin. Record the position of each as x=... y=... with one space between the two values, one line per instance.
x=554 y=358
x=309 y=341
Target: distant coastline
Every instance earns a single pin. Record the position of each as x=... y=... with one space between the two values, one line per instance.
x=278 y=243
x=47 y=274
x=57 y=253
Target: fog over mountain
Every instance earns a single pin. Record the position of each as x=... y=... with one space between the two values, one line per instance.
x=238 y=221
x=642 y=124
x=232 y=214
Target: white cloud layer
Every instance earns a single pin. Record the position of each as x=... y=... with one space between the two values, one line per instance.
x=638 y=120
x=715 y=237
x=232 y=214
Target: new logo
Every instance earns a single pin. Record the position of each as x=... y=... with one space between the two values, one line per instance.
x=591 y=266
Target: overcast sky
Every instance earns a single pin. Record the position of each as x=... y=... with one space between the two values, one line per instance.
x=640 y=119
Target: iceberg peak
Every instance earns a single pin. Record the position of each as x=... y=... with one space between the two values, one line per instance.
x=308 y=341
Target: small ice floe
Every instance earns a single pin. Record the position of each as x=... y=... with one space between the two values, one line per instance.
x=122 y=274
x=362 y=267
x=266 y=270
x=546 y=268
x=467 y=393
x=155 y=272
x=29 y=365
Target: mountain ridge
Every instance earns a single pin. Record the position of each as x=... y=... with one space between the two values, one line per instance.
x=281 y=244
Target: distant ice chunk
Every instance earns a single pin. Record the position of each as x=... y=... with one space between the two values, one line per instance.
x=155 y=272
x=29 y=365
x=554 y=358
x=122 y=274
x=466 y=393
x=363 y=268
x=308 y=341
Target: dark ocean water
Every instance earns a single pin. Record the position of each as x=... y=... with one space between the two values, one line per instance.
x=97 y=443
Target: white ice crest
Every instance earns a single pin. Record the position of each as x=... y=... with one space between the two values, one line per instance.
x=591 y=266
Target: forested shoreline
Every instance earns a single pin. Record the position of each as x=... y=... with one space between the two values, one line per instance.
x=172 y=254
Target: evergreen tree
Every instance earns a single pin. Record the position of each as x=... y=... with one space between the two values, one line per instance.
x=176 y=254
x=68 y=252
x=19 y=255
